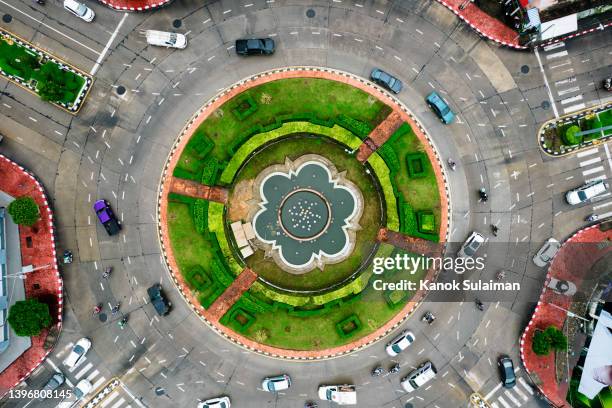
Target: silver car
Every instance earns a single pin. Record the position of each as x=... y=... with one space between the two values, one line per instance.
x=400 y=343
x=547 y=252
x=471 y=245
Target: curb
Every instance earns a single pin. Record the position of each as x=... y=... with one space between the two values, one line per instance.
x=55 y=264
x=147 y=7
x=569 y=118
x=166 y=249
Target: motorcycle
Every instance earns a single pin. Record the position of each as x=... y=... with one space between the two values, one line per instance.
x=67 y=257
x=500 y=275
x=428 y=318
x=483 y=194
x=479 y=304
x=41 y=2
x=592 y=217
x=378 y=371
x=107 y=272
x=607 y=84
x=115 y=309
x=123 y=322
x=97 y=309
x=494 y=229
x=452 y=164
x=394 y=369
x=311 y=404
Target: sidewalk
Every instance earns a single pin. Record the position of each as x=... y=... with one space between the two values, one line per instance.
x=570 y=265
x=38 y=249
x=134 y=5
x=197 y=190
x=484 y=24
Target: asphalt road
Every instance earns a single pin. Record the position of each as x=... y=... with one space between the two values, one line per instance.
x=116 y=146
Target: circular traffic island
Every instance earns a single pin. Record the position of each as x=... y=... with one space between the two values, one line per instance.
x=276 y=206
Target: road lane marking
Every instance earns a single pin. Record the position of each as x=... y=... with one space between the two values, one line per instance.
x=592 y=171
x=83 y=370
x=512 y=398
x=109 y=399
x=503 y=402
x=550 y=97
x=93 y=375
x=574 y=108
x=554 y=46
x=557 y=55
x=525 y=385
x=588 y=152
x=572 y=99
x=521 y=394
x=50 y=28
x=568 y=90
x=590 y=161
x=107 y=46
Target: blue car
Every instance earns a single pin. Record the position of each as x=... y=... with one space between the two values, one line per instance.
x=441 y=108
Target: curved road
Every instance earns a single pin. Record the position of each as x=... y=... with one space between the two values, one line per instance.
x=117 y=145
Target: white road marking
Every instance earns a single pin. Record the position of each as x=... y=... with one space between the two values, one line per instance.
x=118 y=403
x=587 y=152
x=550 y=97
x=572 y=99
x=520 y=393
x=590 y=161
x=557 y=55
x=600 y=177
x=493 y=391
x=109 y=399
x=512 y=398
x=574 y=108
x=83 y=371
x=568 y=90
x=525 y=385
x=503 y=402
x=554 y=46
x=592 y=171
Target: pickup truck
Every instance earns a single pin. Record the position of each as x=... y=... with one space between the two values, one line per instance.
x=340 y=394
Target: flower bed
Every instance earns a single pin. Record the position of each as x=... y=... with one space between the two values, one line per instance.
x=43 y=74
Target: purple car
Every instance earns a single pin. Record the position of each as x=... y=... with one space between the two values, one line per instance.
x=107 y=217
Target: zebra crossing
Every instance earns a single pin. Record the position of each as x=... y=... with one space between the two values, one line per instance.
x=516 y=396
x=566 y=91
x=596 y=164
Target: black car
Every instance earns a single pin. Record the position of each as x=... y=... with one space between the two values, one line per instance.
x=386 y=80
x=107 y=217
x=255 y=46
x=159 y=301
x=506 y=368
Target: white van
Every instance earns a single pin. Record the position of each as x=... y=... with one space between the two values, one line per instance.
x=166 y=39
x=340 y=394
x=419 y=377
x=80 y=10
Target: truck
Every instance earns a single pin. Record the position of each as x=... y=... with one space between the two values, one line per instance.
x=340 y=394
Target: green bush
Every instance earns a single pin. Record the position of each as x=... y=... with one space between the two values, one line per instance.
x=244 y=108
x=184 y=174
x=349 y=326
x=409 y=224
x=29 y=317
x=396 y=298
x=57 y=85
x=569 y=135
x=417 y=164
x=199 y=212
x=242 y=319
x=389 y=192
x=357 y=127
x=179 y=198
x=558 y=341
x=540 y=343
x=403 y=130
x=388 y=154
x=200 y=144
x=426 y=222
x=24 y=211
x=210 y=171
x=197 y=278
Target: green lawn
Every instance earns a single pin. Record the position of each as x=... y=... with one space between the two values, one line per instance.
x=370 y=220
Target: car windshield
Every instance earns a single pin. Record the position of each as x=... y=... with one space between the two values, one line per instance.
x=78 y=349
x=81 y=10
x=582 y=196
x=396 y=348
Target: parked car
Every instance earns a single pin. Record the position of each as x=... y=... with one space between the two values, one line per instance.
x=77 y=354
x=547 y=252
x=80 y=10
x=56 y=380
x=107 y=217
x=82 y=388
x=471 y=245
x=166 y=39
x=386 y=80
x=586 y=192
x=220 y=402
x=417 y=378
x=275 y=384
x=159 y=301
x=255 y=46
x=506 y=368
x=440 y=107
x=340 y=394
x=400 y=343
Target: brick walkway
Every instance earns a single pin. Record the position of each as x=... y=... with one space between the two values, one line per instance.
x=573 y=261
x=379 y=136
x=410 y=244
x=483 y=23
x=193 y=189
x=134 y=5
x=45 y=283
x=214 y=104
x=231 y=295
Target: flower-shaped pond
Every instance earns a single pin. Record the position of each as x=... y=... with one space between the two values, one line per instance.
x=308 y=214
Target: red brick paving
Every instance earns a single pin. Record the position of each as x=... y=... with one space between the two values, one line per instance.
x=194 y=189
x=213 y=105
x=571 y=264
x=134 y=5
x=231 y=295
x=410 y=244
x=379 y=136
x=483 y=23
x=16 y=181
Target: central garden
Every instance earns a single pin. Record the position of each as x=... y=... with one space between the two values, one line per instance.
x=271 y=128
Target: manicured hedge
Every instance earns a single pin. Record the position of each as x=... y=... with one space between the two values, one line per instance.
x=356 y=127
x=409 y=223
x=185 y=174
x=389 y=192
x=244 y=108
x=210 y=171
x=199 y=212
x=426 y=222
x=238 y=313
x=417 y=164
x=403 y=130
x=200 y=144
x=179 y=198
x=342 y=326
x=197 y=278
x=569 y=135
x=388 y=154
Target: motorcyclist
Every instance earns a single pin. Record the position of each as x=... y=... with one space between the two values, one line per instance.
x=394 y=369
x=107 y=273
x=377 y=371
x=115 y=308
x=483 y=194
x=494 y=229
x=479 y=304
x=97 y=309
x=452 y=164
x=123 y=322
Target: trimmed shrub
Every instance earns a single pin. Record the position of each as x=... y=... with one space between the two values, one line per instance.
x=210 y=171
x=396 y=298
x=409 y=224
x=200 y=144
x=558 y=341
x=199 y=212
x=426 y=222
x=389 y=192
x=29 y=317
x=197 y=278
x=179 y=198
x=242 y=319
x=388 y=154
x=403 y=130
x=569 y=135
x=245 y=107
x=417 y=164
x=540 y=343
x=359 y=128
x=349 y=326
x=24 y=211
x=184 y=174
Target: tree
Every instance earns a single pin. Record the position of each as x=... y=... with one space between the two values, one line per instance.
x=24 y=211
x=29 y=317
x=558 y=341
x=541 y=343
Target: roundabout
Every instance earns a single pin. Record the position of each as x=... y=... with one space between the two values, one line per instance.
x=280 y=246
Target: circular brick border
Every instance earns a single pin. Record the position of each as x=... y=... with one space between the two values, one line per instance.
x=212 y=105
x=46 y=215
x=145 y=6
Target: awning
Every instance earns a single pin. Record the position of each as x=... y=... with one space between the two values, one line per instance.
x=534 y=17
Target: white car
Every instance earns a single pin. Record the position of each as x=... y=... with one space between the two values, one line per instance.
x=586 y=192
x=82 y=388
x=77 y=354
x=80 y=10
x=221 y=402
x=419 y=377
x=547 y=252
x=400 y=343
x=166 y=39
x=278 y=383
x=471 y=245
x=340 y=394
